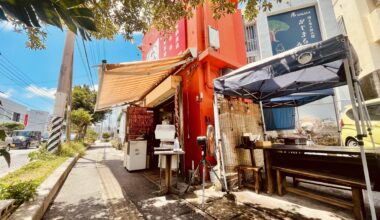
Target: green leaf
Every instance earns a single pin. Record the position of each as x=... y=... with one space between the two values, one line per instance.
x=84 y=34
x=32 y=16
x=4 y=153
x=16 y=11
x=66 y=18
x=2 y=15
x=86 y=23
x=81 y=12
x=47 y=13
x=71 y=3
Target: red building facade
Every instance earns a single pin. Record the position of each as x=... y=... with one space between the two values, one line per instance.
x=203 y=33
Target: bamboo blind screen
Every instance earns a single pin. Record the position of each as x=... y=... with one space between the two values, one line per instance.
x=237 y=117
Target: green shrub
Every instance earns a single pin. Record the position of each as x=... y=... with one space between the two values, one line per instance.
x=41 y=154
x=71 y=149
x=2 y=135
x=116 y=144
x=106 y=136
x=20 y=191
x=91 y=136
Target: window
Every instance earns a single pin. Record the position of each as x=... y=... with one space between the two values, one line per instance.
x=250 y=37
x=16 y=117
x=374 y=112
x=250 y=59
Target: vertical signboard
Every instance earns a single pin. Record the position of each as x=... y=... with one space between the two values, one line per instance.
x=291 y=29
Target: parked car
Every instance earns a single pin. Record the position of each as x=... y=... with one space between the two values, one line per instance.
x=349 y=129
x=5 y=141
x=45 y=137
x=25 y=139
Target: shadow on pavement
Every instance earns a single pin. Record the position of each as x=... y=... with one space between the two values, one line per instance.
x=142 y=193
x=84 y=209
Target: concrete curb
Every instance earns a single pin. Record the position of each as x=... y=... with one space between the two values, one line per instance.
x=46 y=192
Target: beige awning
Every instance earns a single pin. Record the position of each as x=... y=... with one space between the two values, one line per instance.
x=129 y=82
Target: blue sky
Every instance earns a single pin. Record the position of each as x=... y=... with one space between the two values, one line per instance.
x=41 y=67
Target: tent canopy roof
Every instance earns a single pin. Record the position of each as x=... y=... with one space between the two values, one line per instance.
x=129 y=82
x=297 y=99
x=306 y=68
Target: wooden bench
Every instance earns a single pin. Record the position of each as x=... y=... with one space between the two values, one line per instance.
x=256 y=171
x=356 y=186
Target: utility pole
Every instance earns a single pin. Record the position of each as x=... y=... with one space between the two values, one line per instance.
x=63 y=94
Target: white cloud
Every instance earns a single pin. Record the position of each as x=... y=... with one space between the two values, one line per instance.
x=40 y=91
x=96 y=87
x=6 y=26
x=137 y=33
x=7 y=93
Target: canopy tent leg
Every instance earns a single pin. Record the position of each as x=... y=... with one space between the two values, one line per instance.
x=263 y=120
x=353 y=88
x=219 y=154
x=369 y=124
x=337 y=117
x=298 y=118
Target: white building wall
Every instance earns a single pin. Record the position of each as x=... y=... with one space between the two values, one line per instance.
x=38 y=121
x=121 y=123
x=325 y=14
x=9 y=108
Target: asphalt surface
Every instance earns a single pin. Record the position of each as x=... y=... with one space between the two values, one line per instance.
x=19 y=157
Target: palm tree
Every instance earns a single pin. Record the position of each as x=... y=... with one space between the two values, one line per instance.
x=73 y=13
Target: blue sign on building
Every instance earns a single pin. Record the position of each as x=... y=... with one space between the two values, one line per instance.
x=291 y=29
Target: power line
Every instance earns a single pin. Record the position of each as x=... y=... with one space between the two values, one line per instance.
x=82 y=59
x=11 y=74
x=22 y=102
x=88 y=65
x=21 y=72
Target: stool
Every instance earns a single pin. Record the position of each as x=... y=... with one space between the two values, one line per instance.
x=256 y=174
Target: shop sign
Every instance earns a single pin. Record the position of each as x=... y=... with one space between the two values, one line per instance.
x=291 y=29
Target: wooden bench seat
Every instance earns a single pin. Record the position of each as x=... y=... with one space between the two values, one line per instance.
x=256 y=171
x=356 y=186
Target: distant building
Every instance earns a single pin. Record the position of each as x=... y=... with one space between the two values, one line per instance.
x=120 y=123
x=37 y=121
x=11 y=111
x=360 y=20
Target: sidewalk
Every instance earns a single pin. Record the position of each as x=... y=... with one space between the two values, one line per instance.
x=99 y=187
x=83 y=195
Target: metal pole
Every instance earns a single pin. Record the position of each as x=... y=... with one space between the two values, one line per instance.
x=352 y=86
x=219 y=155
x=337 y=119
x=263 y=120
x=298 y=118
x=63 y=89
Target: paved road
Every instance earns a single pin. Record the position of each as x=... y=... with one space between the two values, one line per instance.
x=19 y=157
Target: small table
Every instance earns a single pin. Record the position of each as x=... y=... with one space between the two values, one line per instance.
x=168 y=168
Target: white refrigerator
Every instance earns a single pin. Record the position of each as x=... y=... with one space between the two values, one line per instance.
x=135 y=155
